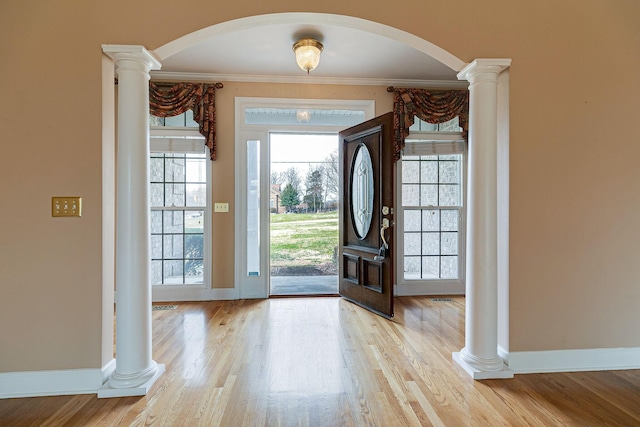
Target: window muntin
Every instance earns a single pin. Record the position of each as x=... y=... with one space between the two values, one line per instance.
x=431 y=200
x=431 y=180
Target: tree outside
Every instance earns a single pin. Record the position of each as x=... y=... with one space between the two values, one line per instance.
x=315 y=189
x=290 y=197
x=330 y=171
x=292 y=177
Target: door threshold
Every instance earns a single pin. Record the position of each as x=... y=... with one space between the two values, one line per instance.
x=303 y=295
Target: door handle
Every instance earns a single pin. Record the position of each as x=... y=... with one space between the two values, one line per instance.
x=382 y=252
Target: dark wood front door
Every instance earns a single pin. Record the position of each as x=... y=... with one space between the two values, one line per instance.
x=365 y=251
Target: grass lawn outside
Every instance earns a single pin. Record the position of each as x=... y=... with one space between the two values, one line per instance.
x=304 y=244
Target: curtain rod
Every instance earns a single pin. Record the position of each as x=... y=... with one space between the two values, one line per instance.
x=393 y=89
x=217 y=85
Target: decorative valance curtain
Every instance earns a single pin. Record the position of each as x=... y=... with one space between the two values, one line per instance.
x=172 y=99
x=432 y=106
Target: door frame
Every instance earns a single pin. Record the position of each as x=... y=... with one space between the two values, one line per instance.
x=258 y=286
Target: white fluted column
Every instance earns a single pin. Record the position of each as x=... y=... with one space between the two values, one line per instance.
x=480 y=357
x=135 y=371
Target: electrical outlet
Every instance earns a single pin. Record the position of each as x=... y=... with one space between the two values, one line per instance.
x=66 y=206
x=221 y=207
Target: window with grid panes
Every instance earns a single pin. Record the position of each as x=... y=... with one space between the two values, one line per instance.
x=431 y=198
x=431 y=202
x=178 y=181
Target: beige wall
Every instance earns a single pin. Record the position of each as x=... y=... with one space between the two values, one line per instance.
x=574 y=188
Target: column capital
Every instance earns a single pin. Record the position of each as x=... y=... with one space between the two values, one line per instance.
x=136 y=53
x=484 y=66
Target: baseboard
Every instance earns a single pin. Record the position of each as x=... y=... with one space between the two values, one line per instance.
x=504 y=354
x=50 y=383
x=107 y=370
x=224 y=294
x=595 y=359
x=167 y=293
x=191 y=293
x=422 y=288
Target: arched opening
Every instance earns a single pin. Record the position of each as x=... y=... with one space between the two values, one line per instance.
x=306 y=22
x=490 y=92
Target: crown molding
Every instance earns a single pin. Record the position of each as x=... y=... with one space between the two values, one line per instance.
x=347 y=81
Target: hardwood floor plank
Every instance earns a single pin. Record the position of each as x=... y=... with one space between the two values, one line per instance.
x=617 y=389
x=327 y=362
x=430 y=417
x=579 y=404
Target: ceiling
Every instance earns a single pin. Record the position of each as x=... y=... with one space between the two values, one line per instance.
x=264 y=53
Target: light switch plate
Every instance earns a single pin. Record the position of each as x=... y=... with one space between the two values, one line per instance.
x=221 y=207
x=66 y=206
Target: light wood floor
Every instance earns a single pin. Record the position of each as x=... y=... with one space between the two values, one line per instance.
x=326 y=362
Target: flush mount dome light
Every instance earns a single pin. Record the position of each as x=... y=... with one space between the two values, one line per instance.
x=307 y=53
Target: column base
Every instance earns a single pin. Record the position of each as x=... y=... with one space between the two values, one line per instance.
x=112 y=387
x=478 y=373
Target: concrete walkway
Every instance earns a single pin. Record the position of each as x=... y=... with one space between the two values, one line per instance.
x=304 y=285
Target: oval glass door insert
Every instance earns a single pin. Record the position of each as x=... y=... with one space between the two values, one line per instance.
x=362 y=191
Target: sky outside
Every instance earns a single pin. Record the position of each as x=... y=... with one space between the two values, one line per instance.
x=300 y=150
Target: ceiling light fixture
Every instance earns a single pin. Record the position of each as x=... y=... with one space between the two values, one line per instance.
x=303 y=116
x=307 y=53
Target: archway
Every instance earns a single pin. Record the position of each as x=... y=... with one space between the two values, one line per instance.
x=310 y=19
x=488 y=121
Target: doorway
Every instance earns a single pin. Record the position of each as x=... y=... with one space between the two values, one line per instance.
x=303 y=213
x=298 y=225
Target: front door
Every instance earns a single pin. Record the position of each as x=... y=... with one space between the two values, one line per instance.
x=365 y=251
